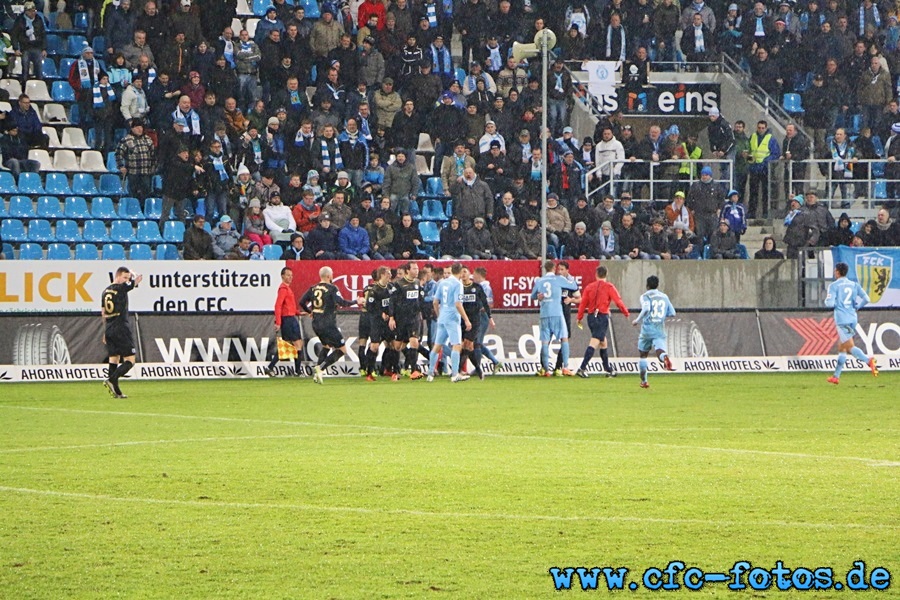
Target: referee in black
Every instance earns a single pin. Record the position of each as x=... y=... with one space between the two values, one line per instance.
x=117 y=332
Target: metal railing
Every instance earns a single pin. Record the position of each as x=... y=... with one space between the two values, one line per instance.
x=653 y=181
x=788 y=178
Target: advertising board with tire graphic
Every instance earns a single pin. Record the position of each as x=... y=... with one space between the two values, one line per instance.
x=40 y=344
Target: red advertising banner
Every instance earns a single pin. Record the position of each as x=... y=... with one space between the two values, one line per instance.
x=511 y=280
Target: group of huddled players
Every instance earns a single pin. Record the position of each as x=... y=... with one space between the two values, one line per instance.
x=405 y=307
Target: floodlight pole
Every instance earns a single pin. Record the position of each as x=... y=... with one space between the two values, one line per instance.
x=544 y=159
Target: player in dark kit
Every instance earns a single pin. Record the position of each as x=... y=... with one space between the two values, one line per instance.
x=362 y=343
x=322 y=301
x=568 y=299
x=406 y=317
x=476 y=306
x=117 y=333
x=376 y=303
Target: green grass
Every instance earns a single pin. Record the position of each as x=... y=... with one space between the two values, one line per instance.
x=284 y=489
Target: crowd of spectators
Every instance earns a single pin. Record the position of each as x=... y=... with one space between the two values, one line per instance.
x=306 y=134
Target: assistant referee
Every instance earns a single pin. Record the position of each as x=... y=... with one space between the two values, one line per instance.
x=287 y=323
x=595 y=302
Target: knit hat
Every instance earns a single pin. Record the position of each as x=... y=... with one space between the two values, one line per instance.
x=272 y=121
x=714 y=112
x=312 y=173
x=580 y=225
x=706 y=171
x=606 y=225
x=343 y=175
x=243 y=169
x=895 y=128
x=255 y=203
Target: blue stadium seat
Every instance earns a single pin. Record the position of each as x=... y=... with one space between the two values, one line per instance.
x=111 y=185
x=111 y=164
x=855 y=124
x=67 y=231
x=148 y=232
x=65 y=64
x=83 y=185
x=430 y=232
x=742 y=251
x=21 y=207
x=7 y=183
x=140 y=252
x=434 y=187
x=4 y=212
x=793 y=104
x=74 y=114
x=76 y=44
x=86 y=252
x=77 y=208
x=880 y=189
x=461 y=74
x=879 y=145
x=157 y=183
x=201 y=207
x=80 y=21
x=61 y=91
x=99 y=45
x=433 y=210
x=167 y=252
x=13 y=230
x=57 y=184
x=113 y=252
x=39 y=230
x=54 y=44
x=31 y=252
x=30 y=183
x=48 y=68
x=173 y=231
x=102 y=208
x=50 y=21
x=8 y=252
x=130 y=208
x=448 y=208
x=259 y=7
x=878 y=169
x=95 y=231
x=272 y=252
x=49 y=207
x=59 y=252
x=122 y=231
x=153 y=208
x=311 y=7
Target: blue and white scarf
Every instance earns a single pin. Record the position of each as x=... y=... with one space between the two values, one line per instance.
x=98 y=94
x=698 y=39
x=327 y=158
x=181 y=119
x=431 y=13
x=447 y=6
x=304 y=141
x=609 y=34
x=151 y=75
x=495 y=62
x=218 y=164
x=256 y=147
x=876 y=17
x=228 y=51
x=85 y=72
x=441 y=61
x=296 y=102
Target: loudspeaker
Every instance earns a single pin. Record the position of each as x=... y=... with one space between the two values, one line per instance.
x=521 y=52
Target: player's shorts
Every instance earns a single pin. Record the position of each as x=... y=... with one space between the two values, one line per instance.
x=846 y=331
x=553 y=327
x=119 y=341
x=447 y=333
x=407 y=329
x=598 y=325
x=649 y=341
x=471 y=335
x=328 y=333
x=364 y=326
x=378 y=329
x=290 y=329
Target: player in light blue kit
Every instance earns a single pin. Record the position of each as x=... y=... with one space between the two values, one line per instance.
x=846 y=297
x=450 y=313
x=548 y=290
x=655 y=309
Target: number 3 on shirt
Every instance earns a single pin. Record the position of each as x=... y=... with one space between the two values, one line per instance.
x=657 y=309
x=548 y=290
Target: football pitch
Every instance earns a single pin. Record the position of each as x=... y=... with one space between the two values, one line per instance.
x=285 y=489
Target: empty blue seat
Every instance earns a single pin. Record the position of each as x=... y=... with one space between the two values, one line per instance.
x=7 y=183
x=8 y=252
x=67 y=231
x=448 y=208
x=31 y=252
x=414 y=210
x=272 y=252
x=49 y=207
x=130 y=208
x=13 y=230
x=173 y=231
x=434 y=187
x=311 y=8
x=433 y=210
x=48 y=68
x=61 y=91
x=122 y=231
x=95 y=231
x=111 y=164
x=140 y=252
x=86 y=252
x=153 y=208
x=59 y=252
x=99 y=45
x=21 y=207
x=430 y=232
x=76 y=44
x=39 y=230
x=111 y=185
x=83 y=185
x=148 y=232
x=30 y=183
x=4 y=212
x=259 y=7
x=80 y=21
x=793 y=104
x=57 y=184
x=77 y=208
x=102 y=208
x=54 y=44
x=167 y=252
x=880 y=189
x=113 y=252
x=65 y=64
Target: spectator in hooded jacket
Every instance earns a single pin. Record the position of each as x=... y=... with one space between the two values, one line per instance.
x=224 y=237
x=353 y=240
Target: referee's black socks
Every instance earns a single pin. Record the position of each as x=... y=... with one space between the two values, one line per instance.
x=588 y=355
x=604 y=356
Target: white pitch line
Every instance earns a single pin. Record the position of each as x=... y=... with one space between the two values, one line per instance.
x=439 y=514
x=486 y=434
x=202 y=440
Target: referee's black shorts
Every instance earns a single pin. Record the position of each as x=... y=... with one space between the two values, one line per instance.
x=327 y=331
x=119 y=341
x=599 y=325
x=290 y=329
